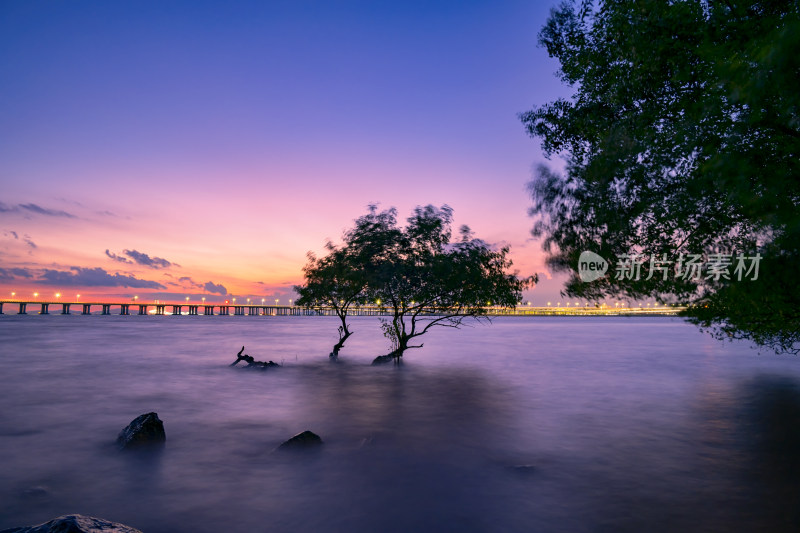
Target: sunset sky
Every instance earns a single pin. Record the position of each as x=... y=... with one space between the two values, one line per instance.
x=168 y=149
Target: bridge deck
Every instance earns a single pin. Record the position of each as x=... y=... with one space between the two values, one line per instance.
x=194 y=309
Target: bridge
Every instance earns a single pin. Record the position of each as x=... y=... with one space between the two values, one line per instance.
x=20 y=307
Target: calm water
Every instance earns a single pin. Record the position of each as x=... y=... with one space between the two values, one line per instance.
x=621 y=424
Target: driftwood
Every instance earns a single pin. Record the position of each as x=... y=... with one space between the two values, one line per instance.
x=252 y=363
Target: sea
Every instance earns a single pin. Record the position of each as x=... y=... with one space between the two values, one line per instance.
x=529 y=424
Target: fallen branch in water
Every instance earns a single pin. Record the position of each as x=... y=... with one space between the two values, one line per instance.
x=252 y=363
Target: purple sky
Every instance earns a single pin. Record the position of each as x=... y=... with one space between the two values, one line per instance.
x=170 y=149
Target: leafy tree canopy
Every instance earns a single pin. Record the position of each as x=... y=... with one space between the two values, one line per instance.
x=417 y=272
x=682 y=137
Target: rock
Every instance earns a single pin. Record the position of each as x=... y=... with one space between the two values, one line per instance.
x=524 y=469
x=146 y=430
x=35 y=492
x=306 y=439
x=382 y=359
x=75 y=523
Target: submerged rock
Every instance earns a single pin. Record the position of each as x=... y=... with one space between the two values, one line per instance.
x=75 y=523
x=382 y=360
x=523 y=469
x=146 y=430
x=306 y=439
x=36 y=492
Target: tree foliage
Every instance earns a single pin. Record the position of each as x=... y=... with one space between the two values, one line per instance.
x=417 y=273
x=682 y=137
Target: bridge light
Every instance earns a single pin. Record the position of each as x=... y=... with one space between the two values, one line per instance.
x=58 y=295
x=35 y=294
x=378 y=301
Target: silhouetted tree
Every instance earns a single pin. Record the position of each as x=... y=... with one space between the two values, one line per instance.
x=339 y=279
x=416 y=272
x=682 y=137
x=331 y=282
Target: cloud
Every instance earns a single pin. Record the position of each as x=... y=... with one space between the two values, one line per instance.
x=94 y=277
x=144 y=259
x=186 y=280
x=13 y=234
x=140 y=258
x=27 y=240
x=22 y=272
x=116 y=257
x=33 y=208
x=11 y=274
x=215 y=289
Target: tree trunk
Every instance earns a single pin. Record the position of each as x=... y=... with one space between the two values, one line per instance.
x=344 y=333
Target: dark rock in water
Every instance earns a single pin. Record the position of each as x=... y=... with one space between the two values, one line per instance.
x=306 y=439
x=146 y=430
x=523 y=469
x=382 y=359
x=35 y=492
x=75 y=523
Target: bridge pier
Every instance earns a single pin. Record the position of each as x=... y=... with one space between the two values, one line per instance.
x=176 y=310
x=193 y=309
x=123 y=309
x=160 y=309
x=44 y=310
x=252 y=311
x=87 y=309
x=208 y=309
x=64 y=309
x=23 y=308
x=142 y=309
x=106 y=309
x=224 y=310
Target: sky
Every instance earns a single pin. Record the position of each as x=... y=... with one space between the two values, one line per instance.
x=167 y=149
